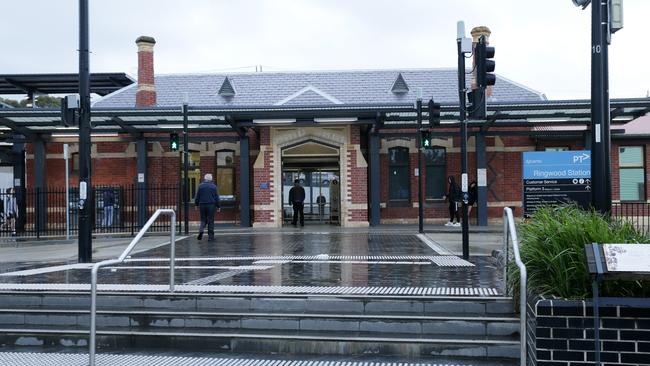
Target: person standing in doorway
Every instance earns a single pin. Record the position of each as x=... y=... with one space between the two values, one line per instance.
x=321 y=201
x=207 y=199
x=297 y=200
x=109 y=204
x=11 y=210
x=454 y=197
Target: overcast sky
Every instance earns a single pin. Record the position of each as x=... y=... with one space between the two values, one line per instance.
x=543 y=44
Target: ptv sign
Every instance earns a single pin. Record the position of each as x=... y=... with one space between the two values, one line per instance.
x=556 y=177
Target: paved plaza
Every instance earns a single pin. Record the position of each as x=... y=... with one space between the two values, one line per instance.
x=281 y=261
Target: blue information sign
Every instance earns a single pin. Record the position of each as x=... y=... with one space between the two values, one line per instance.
x=552 y=177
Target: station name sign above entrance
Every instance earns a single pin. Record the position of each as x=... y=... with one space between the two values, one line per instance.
x=555 y=177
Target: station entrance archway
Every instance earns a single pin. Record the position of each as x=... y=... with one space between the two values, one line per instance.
x=317 y=167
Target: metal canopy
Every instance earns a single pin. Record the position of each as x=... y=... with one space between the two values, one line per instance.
x=566 y=116
x=100 y=83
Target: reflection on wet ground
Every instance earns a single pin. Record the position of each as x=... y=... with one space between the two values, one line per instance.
x=290 y=259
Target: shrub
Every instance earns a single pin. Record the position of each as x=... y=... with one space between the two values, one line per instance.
x=552 y=247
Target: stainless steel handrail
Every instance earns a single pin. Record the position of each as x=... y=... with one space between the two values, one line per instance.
x=120 y=259
x=510 y=232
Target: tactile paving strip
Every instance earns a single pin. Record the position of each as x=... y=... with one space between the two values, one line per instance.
x=307 y=290
x=77 y=359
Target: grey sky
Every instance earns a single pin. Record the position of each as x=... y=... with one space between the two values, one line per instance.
x=543 y=44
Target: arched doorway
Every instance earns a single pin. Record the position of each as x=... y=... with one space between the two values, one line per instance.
x=316 y=165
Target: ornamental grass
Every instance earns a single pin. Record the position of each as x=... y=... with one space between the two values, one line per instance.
x=552 y=245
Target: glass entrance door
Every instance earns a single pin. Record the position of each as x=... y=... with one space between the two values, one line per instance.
x=322 y=198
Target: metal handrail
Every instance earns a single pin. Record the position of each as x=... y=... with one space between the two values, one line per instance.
x=510 y=232
x=120 y=259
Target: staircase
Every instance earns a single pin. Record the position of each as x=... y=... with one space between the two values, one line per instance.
x=423 y=327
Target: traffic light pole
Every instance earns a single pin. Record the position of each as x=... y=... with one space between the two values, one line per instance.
x=85 y=189
x=600 y=112
x=463 y=145
x=186 y=179
x=418 y=106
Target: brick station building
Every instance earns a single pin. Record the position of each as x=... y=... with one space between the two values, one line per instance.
x=348 y=160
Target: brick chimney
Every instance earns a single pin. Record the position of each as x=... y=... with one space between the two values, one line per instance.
x=477 y=32
x=146 y=94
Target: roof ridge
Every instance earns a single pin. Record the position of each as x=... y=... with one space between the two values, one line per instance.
x=324 y=71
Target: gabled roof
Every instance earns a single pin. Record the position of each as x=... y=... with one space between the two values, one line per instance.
x=349 y=87
x=309 y=95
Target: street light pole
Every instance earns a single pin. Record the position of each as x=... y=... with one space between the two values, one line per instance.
x=85 y=187
x=600 y=124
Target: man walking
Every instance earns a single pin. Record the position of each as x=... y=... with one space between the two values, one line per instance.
x=207 y=199
x=297 y=199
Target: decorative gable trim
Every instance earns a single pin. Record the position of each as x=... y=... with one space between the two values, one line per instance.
x=399 y=85
x=306 y=89
x=227 y=89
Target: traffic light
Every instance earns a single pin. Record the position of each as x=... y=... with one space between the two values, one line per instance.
x=174 y=141
x=434 y=113
x=484 y=64
x=425 y=138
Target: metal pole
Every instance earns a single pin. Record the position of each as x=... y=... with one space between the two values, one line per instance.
x=186 y=179
x=418 y=105
x=66 y=153
x=85 y=188
x=172 y=254
x=601 y=180
x=463 y=145
x=244 y=184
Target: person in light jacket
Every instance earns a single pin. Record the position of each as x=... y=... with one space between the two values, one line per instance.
x=207 y=199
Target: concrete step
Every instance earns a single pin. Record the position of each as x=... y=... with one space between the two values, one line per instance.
x=338 y=304
x=153 y=357
x=277 y=342
x=216 y=321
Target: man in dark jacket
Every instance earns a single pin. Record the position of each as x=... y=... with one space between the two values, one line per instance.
x=207 y=199
x=297 y=199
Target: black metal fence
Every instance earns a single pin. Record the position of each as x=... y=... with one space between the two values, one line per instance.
x=637 y=213
x=42 y=212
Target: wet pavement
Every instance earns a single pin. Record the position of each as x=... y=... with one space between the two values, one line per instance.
x=291 y=258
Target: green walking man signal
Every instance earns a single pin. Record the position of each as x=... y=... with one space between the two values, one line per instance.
x=174 y=141
x=426 y=139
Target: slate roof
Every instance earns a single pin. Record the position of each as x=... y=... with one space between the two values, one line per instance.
x=351 y=87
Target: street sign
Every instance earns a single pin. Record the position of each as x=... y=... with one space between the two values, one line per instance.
x=554 y=177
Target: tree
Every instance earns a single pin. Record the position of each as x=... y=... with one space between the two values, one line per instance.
x=11 y=102
x=46 y=101
x=42 y=101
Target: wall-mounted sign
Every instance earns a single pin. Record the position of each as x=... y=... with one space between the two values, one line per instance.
x=264 y=185
x=555 y=177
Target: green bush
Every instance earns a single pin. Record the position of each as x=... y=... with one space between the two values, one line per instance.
x=552 y=247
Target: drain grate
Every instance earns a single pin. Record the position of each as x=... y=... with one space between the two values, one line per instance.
x=76 y=359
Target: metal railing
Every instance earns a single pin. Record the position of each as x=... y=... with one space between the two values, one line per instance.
x=510 y=234
x=120 y=259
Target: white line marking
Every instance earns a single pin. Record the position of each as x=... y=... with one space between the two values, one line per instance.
x=439 y=249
